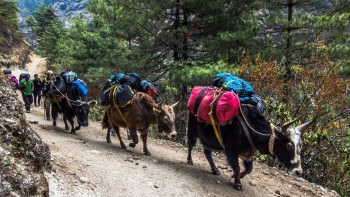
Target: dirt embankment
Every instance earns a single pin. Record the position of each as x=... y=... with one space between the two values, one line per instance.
x=23 y=155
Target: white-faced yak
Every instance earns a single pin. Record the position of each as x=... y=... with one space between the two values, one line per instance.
x=248 y=132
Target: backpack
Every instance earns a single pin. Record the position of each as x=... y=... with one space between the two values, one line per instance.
x=149 y=88
x=22 y=76
x=7 y=71
x=224 y=108
x=115 y=78
x=230 y=82
x=133 y=80
x=81 y=86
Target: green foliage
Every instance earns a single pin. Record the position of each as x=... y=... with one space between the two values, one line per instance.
x=44 y=17
x=8 y=19
x=48 y=42
x=97 y=113
x=86 y=46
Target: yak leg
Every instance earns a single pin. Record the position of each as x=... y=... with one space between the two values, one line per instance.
x=248 y=168
x=128 y=134
x=191 y=137
x=233 y=161
x=122 y=145
x=209 y=157
x=66 y=127
x=134 y=137
x=54 y=117
x=108 y=137
x=79 y=125
x=71 y=121
x=144 y=134
x=191 y=142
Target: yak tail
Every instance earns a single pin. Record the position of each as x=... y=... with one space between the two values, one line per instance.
x=105 y=123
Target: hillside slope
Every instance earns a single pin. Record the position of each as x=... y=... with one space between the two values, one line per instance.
x=23 y=155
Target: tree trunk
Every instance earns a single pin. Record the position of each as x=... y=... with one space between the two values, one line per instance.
x=288 y=54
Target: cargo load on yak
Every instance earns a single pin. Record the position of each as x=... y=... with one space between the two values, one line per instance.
x=230 y=82
x=117 y=95
x=59 y=86
x=242 y=88
x=212 y=104
x=114 y=79
x=133 y=80
x=81 y=86
x=68 y=78
x=150 y=89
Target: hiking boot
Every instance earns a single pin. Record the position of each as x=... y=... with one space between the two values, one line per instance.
x=28 y=111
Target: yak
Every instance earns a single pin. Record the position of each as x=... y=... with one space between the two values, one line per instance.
x=70 y=106
x=143 y=112
x=283 y=143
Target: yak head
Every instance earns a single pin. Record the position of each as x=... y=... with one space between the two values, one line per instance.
x=288 y=144
x=166 y=118
x=82 y=110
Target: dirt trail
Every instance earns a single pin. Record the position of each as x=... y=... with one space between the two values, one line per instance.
x=85 y=165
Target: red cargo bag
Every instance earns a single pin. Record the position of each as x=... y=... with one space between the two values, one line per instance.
x=224 y=108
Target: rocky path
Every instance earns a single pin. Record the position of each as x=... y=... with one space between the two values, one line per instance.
x=85 y=165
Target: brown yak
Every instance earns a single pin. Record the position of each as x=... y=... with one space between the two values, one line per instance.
x=139 y=115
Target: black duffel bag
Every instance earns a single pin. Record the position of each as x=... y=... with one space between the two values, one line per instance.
x=60 y=86
x=133 y=80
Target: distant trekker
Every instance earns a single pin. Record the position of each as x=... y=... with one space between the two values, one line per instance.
x=26 y=85
x=47 y=97
x=37 y=90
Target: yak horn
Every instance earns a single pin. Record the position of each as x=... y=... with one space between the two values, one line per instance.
x=285 y=126
x=304 y=126
x=175 y=104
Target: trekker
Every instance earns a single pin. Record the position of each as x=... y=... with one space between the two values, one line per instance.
x=45 y=90
x=37 y=90
x=11 y=78
x=27 y=84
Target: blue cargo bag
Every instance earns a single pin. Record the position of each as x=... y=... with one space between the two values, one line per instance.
x=116 y=78
x=82 y=89
x=231 y=82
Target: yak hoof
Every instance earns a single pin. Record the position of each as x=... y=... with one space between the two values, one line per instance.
x=109 y=141
x=123 y=146
x=148 y=153
x=72 y=131
x=66 y=128
x=215 y=171
x=54 y=124
x=77 y=128
x=237 y=186
x=189 y=162
x=132 y=145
